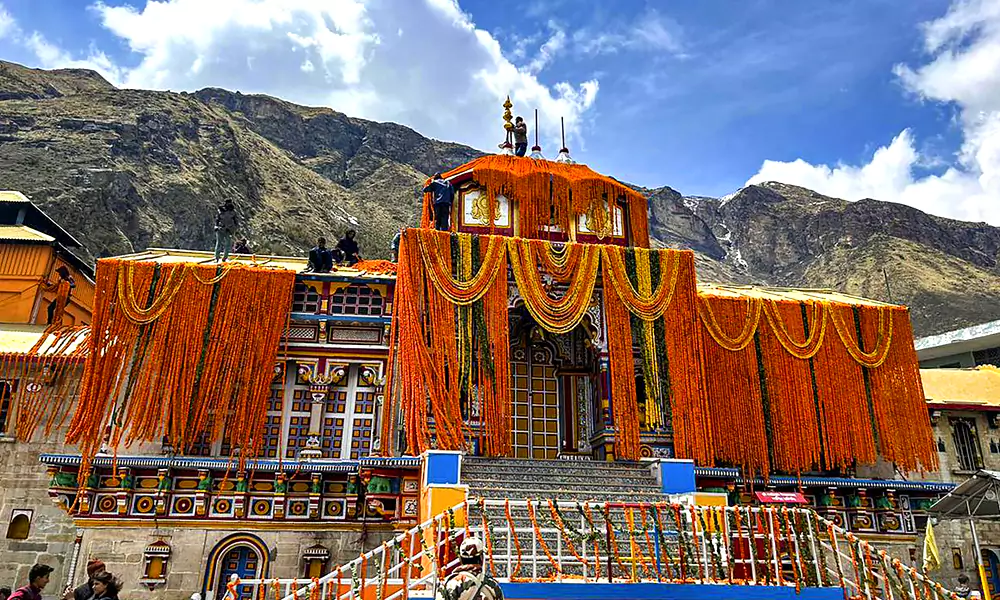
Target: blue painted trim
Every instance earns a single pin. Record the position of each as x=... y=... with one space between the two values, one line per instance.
x=265 y=465
x=662 y=591
x=442 y=467
x=677 y=477
x=297 y=316
x=897 y=484
x=359 y=278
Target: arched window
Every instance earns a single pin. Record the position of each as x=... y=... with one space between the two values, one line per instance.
x=20 y=525
x=358 y=300
x=305 y=299
x=966 y=438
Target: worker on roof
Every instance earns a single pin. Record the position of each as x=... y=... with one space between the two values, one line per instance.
x=520 y=137
x=225 y=228
x=348 y=248
x=64 y=289
x=395 y=244
x=444 y=195
x=320 y=258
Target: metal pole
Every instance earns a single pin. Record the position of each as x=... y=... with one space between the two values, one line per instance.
x=71 y=573
x=979 y=561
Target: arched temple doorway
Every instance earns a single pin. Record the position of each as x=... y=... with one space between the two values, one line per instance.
x=992 y=563
x=243 y=555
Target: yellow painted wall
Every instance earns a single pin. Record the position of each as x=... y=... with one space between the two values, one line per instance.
x=22 y=269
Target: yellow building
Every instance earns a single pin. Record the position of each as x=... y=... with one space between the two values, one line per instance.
x=35 y=255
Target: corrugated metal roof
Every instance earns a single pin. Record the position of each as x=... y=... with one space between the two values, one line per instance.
x=979 y=386
x=23 y=233
x=19 y=339
x=12 y=196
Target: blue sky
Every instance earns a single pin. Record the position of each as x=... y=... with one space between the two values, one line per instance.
x=891 y=99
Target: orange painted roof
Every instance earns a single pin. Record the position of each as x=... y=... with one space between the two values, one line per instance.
x=23 y=233
x=975 y=386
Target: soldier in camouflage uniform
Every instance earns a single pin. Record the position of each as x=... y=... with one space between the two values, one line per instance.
x=470 y=580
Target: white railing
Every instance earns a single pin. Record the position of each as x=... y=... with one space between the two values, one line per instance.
x=613 y=542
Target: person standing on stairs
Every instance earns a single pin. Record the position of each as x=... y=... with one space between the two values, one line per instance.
x=470 y=581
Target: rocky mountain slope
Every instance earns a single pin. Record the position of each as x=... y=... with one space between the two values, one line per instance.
x=129 y=169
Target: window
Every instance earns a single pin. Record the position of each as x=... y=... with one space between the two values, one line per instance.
x=315 y=559
x=956 y=559
x=20 y=525
x=305 y=299
x=5 y=402
x=989 y=356
x=356 y=300
x=970 y=456
x=156 y=557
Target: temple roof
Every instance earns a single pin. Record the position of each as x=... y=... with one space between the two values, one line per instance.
x=573 y=175
x=20 y=339
x=721 y=290
x=291 y=263
x=975 y=387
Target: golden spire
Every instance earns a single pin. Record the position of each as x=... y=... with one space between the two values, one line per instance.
x=507 y=115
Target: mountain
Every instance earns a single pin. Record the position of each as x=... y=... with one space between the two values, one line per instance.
x=124 y=170
x=785 y=235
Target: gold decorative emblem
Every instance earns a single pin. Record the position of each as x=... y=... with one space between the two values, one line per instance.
x=481 y=209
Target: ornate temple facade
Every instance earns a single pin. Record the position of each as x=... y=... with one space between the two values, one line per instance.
x=253 y=419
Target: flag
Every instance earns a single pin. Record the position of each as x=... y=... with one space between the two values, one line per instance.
x=932 y=558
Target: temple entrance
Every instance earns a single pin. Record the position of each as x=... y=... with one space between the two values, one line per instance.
x=241 y=561
x=535 y=402
x=992 y=571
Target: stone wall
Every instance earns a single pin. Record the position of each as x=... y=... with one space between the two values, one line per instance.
x=24 y=486
x=121 y=548
x=956 y=534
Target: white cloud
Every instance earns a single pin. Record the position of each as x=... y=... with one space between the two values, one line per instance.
x=422 y=63
x=548 y=51
x=52 y=57
x=650 y=31
x=7 y=23
x=963 y=68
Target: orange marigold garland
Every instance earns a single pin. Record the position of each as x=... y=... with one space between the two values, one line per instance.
x=843 y=401
x=898 y=395
x=181 y=350
x=564 y=314
x=47 y=377
x=796 y=441
x=548 y=192
x=624 y=406
x=732 y=380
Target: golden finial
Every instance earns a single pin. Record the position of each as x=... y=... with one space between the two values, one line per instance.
x=508 y=117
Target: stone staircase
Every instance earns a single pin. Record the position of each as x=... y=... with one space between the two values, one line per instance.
x=520 y=479
x=557 y=480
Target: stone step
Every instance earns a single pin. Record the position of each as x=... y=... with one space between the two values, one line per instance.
x=642 y=486
x=478 y=477
x=563 y=493
x=552 y=466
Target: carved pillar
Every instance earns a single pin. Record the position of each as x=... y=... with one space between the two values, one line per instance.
x=204 y=488
x=315 y=490
x=162 y=488
x=124 y=490
x=280 y=487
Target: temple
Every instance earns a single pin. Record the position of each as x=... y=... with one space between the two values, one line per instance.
x=231 y=429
